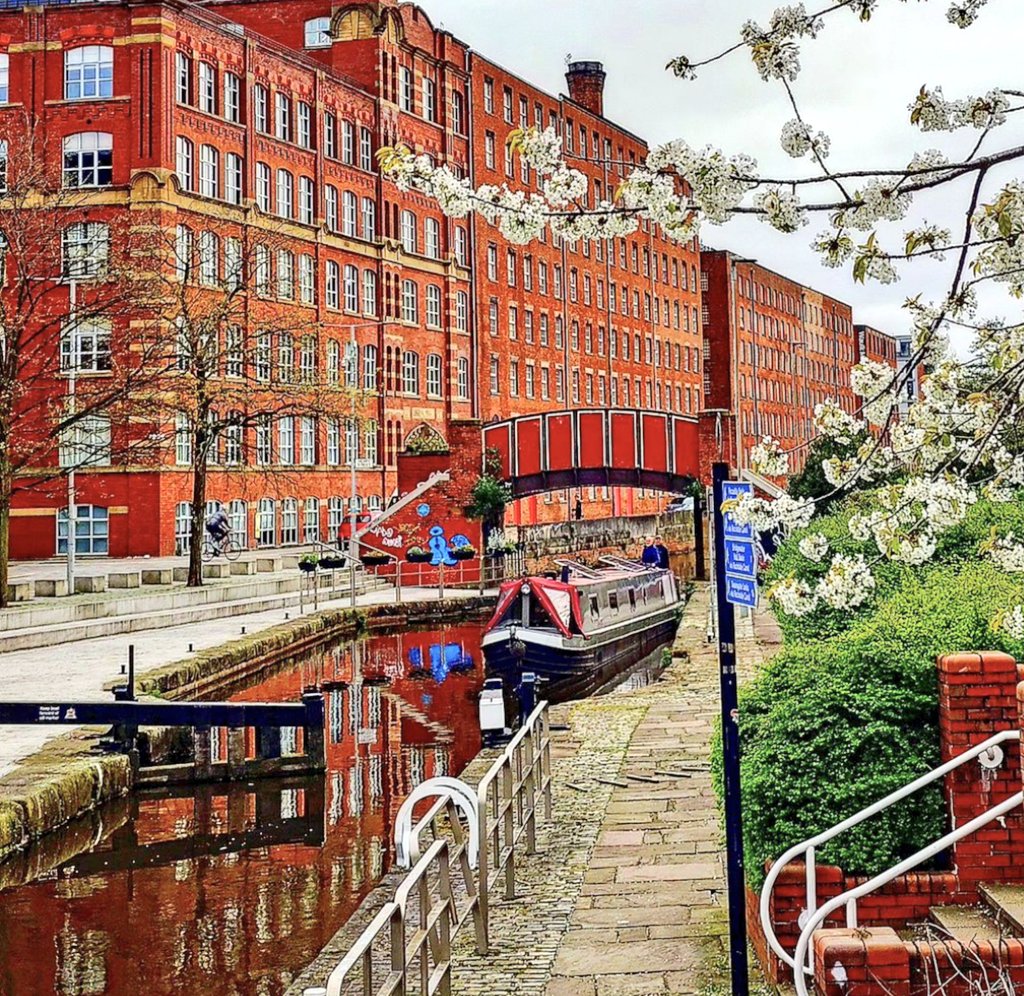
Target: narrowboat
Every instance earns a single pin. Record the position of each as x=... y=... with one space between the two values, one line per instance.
x=581 y=632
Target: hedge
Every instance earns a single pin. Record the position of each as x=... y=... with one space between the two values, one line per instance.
x=830 y=726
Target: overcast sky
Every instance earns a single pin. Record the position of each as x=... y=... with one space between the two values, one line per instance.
x=856 y=83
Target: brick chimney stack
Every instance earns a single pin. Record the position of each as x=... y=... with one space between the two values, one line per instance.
x=586 y=85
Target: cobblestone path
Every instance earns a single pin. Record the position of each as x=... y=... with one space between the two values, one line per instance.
x=625 y=895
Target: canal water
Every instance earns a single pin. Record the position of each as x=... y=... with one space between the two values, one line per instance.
x=232 y=893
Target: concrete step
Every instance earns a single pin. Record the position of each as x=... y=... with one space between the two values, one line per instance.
x=966 y=923
x=1007 y=905
x=133 y=622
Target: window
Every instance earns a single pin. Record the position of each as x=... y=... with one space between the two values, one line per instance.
x=311 y=521
x=433 y=306
x=233 y=440
x=5 y=78
x=286 y=440
x=209 y=251
x=462 y=311
x=462 y=379
x=333 y=443
x=429 y=99
x=365 y=149
x=86 y=247
x=369 y=368
x=86 y=443
x=432 y=238
x=3 y=168
x=289 y=521
x=410 y=372
x=351 y=289
x=370 y=444
x=262 y=270
x=89 y=73
x=306 y=200
x=348 y=142
x=433 y=375
x=495 y=374
x=318 y=32
x=183 y=77
x=266 y=522
x=261 y=108
x=330 y=139
x=285 y=274
x=233 y=178
x=351 y=442
x=207 y=88
x=489 y=96
x=238 y=514
x=88 y=159
x=85 y=345
x=92 y=529
x=183 y=246
x=209 y=168
x=182 y=440
x=285 y=194
x=506 y=105
x=461 y=246
x=285 y=359
x=489 y=149
x=410 y=304
x=348 y=213
x=331 y=208
x=307 y=279
x=369 y=219
x=333 y=362
x=263 y=187
x=234 y=362
x=369 y=292
x=305 y=125
x=513 y=378
x=332 y=289
x=307 y=435
x=264 y=440
x=232 y=98
x=182 y=528
x=184 y=162
x=458 y=112
x=406 y=89
x=282 y=116
x=408 y=231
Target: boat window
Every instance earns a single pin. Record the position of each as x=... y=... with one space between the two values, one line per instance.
x=613 y=601
x=595 y=611
x=632 y=598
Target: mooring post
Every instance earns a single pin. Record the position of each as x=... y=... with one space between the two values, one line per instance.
x=313 y=729
x=203 y=753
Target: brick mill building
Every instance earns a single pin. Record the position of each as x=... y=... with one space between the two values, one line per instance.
x=775 y=349
x=243 y=132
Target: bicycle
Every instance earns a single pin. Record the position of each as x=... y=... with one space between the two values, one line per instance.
x=226 y=548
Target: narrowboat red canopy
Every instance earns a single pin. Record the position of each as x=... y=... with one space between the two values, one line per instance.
x=559 y=600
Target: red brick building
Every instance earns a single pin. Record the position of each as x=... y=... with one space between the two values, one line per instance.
x=773 y=350
x=583 y=325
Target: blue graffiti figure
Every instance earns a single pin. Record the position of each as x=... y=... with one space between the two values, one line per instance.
x=439 y=548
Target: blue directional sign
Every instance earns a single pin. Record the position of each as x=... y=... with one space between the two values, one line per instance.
x=740 y=559
x=741 y=591
x=731 y=490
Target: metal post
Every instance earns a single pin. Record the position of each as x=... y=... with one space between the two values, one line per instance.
x=72 y=497
x=353 y=543
x=730 y=752
x=698 y=535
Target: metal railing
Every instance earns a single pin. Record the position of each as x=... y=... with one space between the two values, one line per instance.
x=990 y=756
x=407 y=945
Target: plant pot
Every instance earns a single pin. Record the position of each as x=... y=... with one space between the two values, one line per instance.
x=419 y=558
x=374 y=560
x=463 y=554
x=308 y=568
x=332 y=563
x=497 y=554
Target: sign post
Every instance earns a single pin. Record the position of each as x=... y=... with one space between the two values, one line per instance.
x=735 y=584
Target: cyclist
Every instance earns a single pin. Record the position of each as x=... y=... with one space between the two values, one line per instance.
x=219 y=528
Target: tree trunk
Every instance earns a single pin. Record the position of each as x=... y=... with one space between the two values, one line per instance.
x=5 y=545
x=195 y=553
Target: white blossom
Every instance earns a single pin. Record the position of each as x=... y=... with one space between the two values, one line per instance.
x=781 y=209
x=814 y=547
x=794 y=597
x=1011 y=621
x=797 y=140
x=832 y=421
x=1006 y=552
x=847 y=583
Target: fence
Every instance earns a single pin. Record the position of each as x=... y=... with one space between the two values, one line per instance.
x=407 y=946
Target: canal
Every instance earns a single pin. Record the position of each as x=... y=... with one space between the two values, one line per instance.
x=232 y=892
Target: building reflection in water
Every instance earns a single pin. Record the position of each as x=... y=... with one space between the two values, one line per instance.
x=231 y=892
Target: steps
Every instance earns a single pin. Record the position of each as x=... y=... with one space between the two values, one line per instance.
x=1007 y=903
x=966 y=923
x=999 y=915
x=89 y=617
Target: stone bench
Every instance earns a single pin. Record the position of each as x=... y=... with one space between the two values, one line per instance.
x=268 y=565
x=124 y=579
x=91 y=585
x=179 y=574
x=160 y=575
x=50 y=588
x=290 y=562
x=242 y=568
x=214 y=571
x=21 y=591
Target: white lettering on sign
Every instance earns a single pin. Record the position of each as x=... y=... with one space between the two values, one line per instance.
x=388 y=536
x=49 y=714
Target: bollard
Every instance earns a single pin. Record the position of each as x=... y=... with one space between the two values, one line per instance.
x=243 y=631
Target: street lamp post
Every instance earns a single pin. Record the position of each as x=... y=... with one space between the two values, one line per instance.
x=72 y=499
x=353 y=448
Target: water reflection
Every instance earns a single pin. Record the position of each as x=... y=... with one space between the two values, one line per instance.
x=233 y=891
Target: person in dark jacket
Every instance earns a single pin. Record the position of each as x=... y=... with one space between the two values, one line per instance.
x=662 y=553
x=650 y=555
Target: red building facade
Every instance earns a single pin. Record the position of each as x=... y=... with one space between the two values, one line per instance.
x=774 y=350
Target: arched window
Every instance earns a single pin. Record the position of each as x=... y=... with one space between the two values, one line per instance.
x=369 y=368
x=462 y=312
x=432 y=238
x=433 y=306
x=463 y=379
x=410 y=372
x=333 y=362
x=311 y=521
x=185 y=163
x=238 y=515
x=433 y=375
x=233 y=440
x=410 y=303
x=370 y=443
x=88 y=159
x=266 y=522
x=349 y=213
x=182 y=528
x=89 y=72
x=318 y=32
x=375 y=503
x=335 y=517
x=369 y=292
x=408 y=231
x=289 y=521
x=351 y=289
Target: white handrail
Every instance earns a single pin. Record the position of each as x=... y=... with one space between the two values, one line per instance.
x=809 y=846
x=883 y=878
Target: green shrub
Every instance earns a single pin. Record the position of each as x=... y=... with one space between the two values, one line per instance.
x=830 y=726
